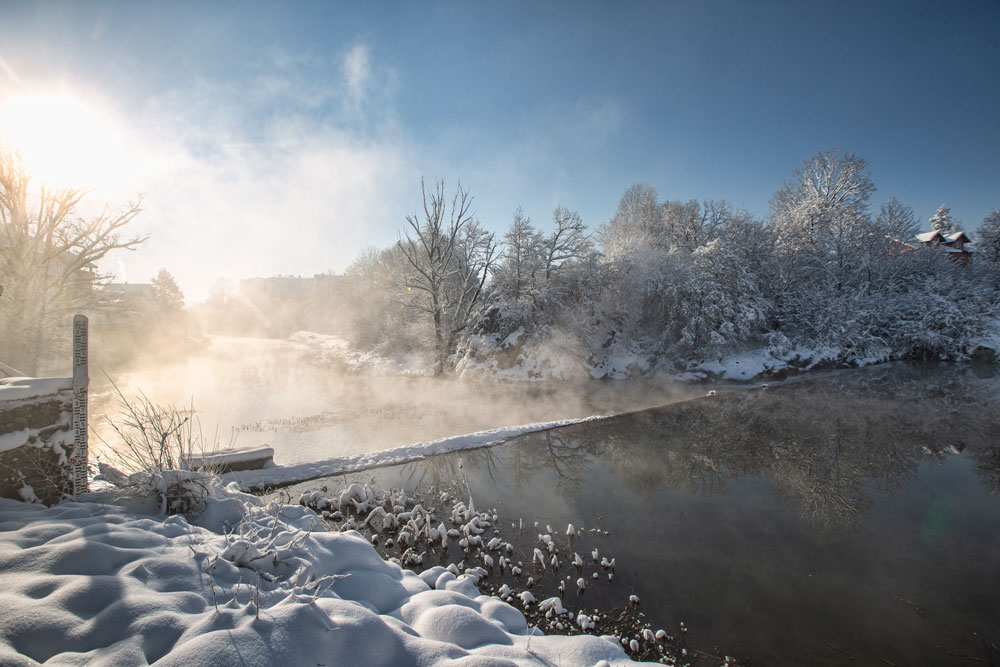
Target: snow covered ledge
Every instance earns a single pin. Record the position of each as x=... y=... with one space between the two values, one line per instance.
x=232 y=460
x=276 y=476
x=35 y=438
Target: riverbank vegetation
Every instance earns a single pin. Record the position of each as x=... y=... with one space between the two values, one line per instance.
x=665 y=285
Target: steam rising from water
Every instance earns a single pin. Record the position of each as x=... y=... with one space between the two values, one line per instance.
x=269 y=392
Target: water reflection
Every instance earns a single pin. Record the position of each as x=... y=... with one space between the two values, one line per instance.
x=824 y=447
x=782 y=522
x=851 y=519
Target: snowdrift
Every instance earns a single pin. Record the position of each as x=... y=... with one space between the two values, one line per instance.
x=91 y=583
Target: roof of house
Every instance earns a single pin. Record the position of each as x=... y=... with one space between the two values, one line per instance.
x=927 y=237
x=955 y=237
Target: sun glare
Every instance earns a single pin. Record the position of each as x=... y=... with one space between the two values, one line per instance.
x=65 y=141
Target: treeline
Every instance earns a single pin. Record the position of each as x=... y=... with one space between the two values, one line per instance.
x=661 y=286
x=664 y=285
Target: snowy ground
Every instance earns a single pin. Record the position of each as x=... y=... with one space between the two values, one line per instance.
x=100 y=582
x=762 y=362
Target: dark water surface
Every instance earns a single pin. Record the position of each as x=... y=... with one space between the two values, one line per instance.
x=852 y=519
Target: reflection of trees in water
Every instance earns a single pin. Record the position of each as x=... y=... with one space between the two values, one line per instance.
x=822 y=445
x=523 y=459
x=444 y=472
x=557 y=451
x=987 y=463
x=823 y=483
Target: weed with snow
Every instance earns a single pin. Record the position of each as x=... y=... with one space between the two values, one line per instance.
x=158 y=451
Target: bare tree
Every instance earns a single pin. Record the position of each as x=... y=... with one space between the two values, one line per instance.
x=568 y=241
x=48 y=259
x=449 y=256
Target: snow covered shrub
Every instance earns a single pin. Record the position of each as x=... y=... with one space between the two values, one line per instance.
x=940 y=309
x=268 y=542
x=660 y=308
x=547 y=354
x=920 y=305
x=152 y=452
x=723 y=306
x=848 y=324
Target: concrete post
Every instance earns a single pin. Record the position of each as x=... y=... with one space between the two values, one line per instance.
x=81 y=380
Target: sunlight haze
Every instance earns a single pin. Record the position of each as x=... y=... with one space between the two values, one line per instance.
x=521 y=332
x=283 y=140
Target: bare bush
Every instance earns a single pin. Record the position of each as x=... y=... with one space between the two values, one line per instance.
x=160 y=450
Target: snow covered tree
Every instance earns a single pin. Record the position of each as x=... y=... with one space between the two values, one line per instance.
x=48 y=261
x=636 y=224
x=166 y=293
x=820 y=218
x=449 y=257
x=823 y=233
x=989 y=237
x=941 y=220
x=897 y=221
x=891 y=230
x=683 y=225
x=749 y=239
x=727 y=307
x=520 y=261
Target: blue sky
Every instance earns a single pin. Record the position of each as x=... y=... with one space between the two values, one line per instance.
x=284 y=137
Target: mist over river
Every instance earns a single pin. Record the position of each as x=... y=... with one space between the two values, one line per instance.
x=255 y=391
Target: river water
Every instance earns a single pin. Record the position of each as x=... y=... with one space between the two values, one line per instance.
x=851 y=519
x=847 y=519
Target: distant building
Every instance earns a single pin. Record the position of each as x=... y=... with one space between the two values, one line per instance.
x=958 y=245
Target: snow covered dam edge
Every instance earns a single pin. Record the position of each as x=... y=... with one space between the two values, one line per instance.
x=277 y=476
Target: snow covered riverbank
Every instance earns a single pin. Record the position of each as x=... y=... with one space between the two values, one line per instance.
x=98 y=583
x=540 y=363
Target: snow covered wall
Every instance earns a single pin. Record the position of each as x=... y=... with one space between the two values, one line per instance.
x=36 y=437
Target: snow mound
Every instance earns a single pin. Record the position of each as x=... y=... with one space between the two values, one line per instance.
x=93 y=584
